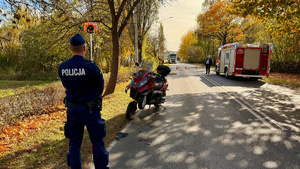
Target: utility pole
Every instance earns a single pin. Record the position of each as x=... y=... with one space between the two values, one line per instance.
x=91 y=42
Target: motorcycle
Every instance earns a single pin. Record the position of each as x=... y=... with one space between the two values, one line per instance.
x=147 y=87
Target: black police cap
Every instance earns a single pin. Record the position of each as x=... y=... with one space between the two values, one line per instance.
x=77 y=40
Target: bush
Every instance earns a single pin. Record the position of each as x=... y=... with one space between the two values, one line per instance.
x=125 y=74
x=10 y=74
x=292 y=67
x=33 y=101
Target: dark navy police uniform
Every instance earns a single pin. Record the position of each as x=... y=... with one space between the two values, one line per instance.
x=83 y=81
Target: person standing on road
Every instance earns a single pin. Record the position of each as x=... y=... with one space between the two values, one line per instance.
x=208 y=63
x=84 y=84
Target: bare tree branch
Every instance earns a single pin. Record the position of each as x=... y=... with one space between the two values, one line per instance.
x=4 y=38
x=124 y=22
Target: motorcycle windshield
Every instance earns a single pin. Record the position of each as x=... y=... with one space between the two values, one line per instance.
x=144 y=67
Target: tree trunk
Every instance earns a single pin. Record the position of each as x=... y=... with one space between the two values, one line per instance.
x=224 y=42
x=107 y=65
x=110 y=88
x=140 y=46
x=116 y=32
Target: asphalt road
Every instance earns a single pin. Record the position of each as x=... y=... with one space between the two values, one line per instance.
x=216 y=123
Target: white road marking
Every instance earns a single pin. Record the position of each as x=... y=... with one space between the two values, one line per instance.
x=249 y=108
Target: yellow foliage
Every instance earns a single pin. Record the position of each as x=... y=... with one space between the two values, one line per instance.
x=186 y=41
x=219 y=23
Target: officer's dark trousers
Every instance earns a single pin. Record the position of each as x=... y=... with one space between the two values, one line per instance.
x=77 y=118
x=207 y=69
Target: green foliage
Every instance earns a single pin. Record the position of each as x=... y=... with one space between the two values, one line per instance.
x=10 y=58
x=26 y=53
x=285 y=58
x=38 y=55
x=11 y=87
x=209 y=45
x=33 y=45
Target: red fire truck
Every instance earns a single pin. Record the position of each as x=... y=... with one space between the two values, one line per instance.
x=245 y=60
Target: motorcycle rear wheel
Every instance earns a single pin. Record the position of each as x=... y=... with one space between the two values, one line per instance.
x=142 y=102
x=131 y=109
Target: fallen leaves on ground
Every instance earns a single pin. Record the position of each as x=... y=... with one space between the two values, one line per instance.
x=290 y=78
x=23 y=143
x=14 y=134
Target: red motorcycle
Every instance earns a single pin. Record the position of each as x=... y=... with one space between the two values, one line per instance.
x=147 y=87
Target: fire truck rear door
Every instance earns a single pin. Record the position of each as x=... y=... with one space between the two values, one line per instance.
x=232 y=60
x=227 y=58
x=252 y=58
x=222 y=61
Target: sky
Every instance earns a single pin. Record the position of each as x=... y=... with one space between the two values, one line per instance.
x=184 y=13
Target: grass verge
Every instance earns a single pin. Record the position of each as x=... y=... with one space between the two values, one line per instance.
x=12 y=87
x=283 y=79
x=39 y=142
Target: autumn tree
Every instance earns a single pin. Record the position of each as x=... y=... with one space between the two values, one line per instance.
x=66 y=17
x=156 y=43
x=219 y=23
x=120 y=13
x=285 y=13
x=42 y=28
x=119 y=17
x=161 y=41
x=209 y=45
x=152 y=46
x=189 y=50
x=11 y=34
x=281 y=18
x=206 y=4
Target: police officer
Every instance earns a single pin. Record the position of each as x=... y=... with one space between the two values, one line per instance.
x=83 y=81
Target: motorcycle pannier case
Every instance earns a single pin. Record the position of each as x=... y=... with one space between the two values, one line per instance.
x=163 y=70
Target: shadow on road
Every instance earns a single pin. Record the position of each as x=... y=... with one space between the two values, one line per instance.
x=183 y=71
x=231 y=82
x=210 y=131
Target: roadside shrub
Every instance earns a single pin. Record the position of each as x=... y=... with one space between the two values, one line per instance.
x=33 y=101
x=125 y=74
x=292 y=67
